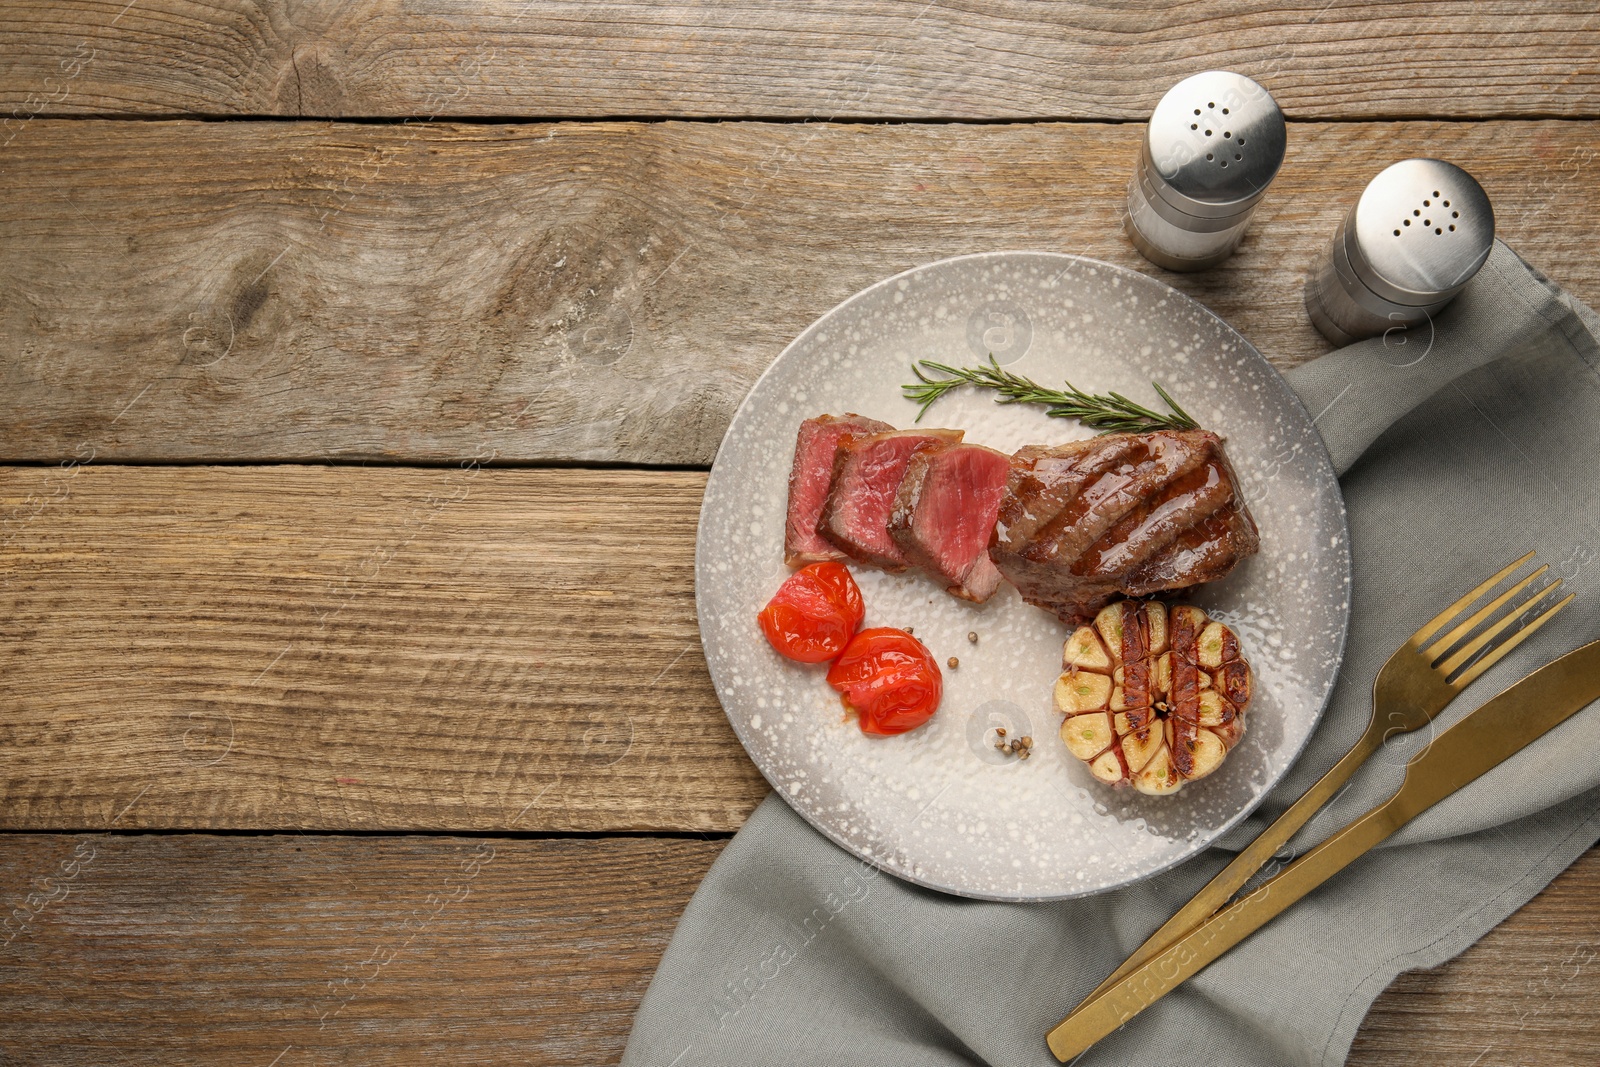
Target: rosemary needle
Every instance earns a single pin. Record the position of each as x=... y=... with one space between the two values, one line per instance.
x=1106 y=412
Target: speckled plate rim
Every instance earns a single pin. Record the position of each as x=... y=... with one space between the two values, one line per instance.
x=1317 y=447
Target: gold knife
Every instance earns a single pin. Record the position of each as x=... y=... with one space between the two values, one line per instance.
x=1484 y=739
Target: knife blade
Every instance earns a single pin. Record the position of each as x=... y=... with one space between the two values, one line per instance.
x=1482 y=740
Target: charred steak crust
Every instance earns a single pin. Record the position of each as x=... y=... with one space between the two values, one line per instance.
x=809 y=478
x=1119 y=515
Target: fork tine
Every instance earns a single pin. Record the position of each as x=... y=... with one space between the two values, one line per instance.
x=1445 y=643
x=1471 y=648
x=1450 y=612
x=1470 y=675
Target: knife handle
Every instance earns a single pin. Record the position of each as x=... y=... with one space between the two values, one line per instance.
x=1101 y=1014
x=1485 y=738
x=1232 y=878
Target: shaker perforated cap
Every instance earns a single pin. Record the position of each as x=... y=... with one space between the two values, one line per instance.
x=1214 y=144
x=1420 y=232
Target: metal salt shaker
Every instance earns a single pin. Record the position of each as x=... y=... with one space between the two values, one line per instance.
x=1418 y=234
x=1213 y=145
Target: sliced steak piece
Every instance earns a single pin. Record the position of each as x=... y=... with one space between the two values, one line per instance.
x=945 y=512
x=1120 y=515
x=814 y=447
x=867 y=470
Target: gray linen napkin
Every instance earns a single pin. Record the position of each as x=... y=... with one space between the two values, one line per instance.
x=1462 y=450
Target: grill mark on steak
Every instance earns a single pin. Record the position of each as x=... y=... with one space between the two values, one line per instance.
x=1153 y=461
x=1158 y=521
x=1045 y=481
x=1202 y=553
x=1123 y=514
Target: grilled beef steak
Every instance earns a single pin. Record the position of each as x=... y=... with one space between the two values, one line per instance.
x=808 y=484
x=944 y=513
x=867 y=471
x=1119 y=515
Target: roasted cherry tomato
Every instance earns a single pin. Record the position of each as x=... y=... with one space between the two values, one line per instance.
x=889 y=679
x=814 y=613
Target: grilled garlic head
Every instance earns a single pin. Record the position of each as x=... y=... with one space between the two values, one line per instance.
x=1153 y=694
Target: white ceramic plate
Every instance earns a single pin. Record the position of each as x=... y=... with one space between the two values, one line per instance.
x=939 y=806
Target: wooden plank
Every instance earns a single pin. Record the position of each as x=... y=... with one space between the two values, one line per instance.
x=338 y=648
x=292 y=291
x=1524 y=996
x=233 y=950
x=801 y=58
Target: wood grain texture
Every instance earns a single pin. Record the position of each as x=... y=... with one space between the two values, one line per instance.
x=1523 y=996
x=347 y=649
x=395 y=951
x=181 y=291
x=801 y=58
x=230 y=951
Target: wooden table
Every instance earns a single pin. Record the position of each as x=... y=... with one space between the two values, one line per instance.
x=360 y=366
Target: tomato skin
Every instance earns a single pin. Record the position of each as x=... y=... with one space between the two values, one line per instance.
x=889 y=679
x=814 y=613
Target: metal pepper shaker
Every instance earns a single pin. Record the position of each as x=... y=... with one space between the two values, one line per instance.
x=1420 y=231
x=1214 y=144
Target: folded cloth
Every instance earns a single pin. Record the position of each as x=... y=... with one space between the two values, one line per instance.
x=1464 y=444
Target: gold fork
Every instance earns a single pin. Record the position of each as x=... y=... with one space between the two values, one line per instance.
x=1411 y=688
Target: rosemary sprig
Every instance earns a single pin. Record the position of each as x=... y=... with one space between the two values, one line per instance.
x=1106 y=412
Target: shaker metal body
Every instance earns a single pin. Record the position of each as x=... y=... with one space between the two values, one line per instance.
x=1420 y=231
x=1213 y=145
